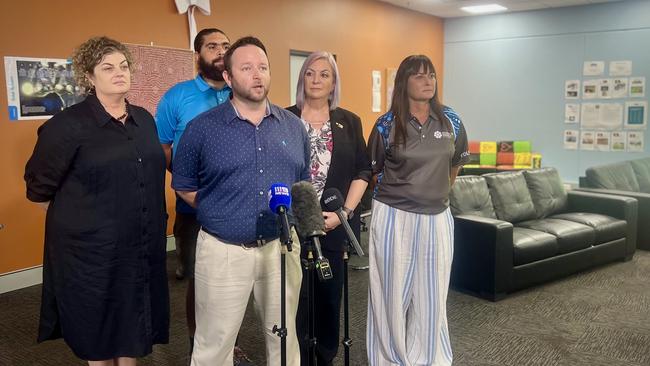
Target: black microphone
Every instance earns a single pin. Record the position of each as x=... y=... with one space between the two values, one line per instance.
x=333 y=202
x=310 y=223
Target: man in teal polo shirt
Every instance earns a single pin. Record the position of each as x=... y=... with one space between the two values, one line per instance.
x=180 y=105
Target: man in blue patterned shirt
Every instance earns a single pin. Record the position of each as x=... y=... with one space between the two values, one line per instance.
x=225 y=163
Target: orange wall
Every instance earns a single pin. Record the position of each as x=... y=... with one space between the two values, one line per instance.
x=364 y=34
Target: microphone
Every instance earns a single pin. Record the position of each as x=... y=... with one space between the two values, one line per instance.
x=310 y=223
x=279 y=203
x=333 y=201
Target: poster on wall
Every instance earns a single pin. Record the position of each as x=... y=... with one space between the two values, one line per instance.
x=390 y=86
x=619 y=88
x=38 y=88
x=605 y=88
x=635 y=114
x=637 y=87
x=635 y=141
x=572 y=89
x=602 y=140
x=571 y=113
x=571 y=139
x=619 y=140
x=376 y=91
x=587 y=140
x=593 y=68
x=590 y=89
x=602 y=115
x=620 y=68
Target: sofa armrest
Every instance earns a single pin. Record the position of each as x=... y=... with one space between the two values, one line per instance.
x=620 y=207
x=643 y=212
x=483 y=256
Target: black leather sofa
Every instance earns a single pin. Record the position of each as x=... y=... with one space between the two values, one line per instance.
x=628 y=178
x=517 y=229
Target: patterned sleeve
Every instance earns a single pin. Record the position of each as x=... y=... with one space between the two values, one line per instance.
x=187 y=160
x=305 y=174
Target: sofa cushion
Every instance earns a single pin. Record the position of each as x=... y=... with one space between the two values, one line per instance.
x=641 y=169
x=546 y=190
x=606 y=228
x=510 y=196
x=470 y=196
x=532 y=245
x=613 y=176
x=571 y=236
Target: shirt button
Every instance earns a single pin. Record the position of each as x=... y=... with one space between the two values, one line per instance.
x=261 y=214
x=141 y=185
x=423 y=136
x=261 y=193
x=257 y=128
x=139 y=160
x=259 y=148
x=144 y=209
x=261 y=170
x=259 y=236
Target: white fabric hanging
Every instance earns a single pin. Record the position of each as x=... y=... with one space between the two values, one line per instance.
x=188 y=6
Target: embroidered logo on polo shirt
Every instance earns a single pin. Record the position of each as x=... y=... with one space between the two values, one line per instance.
x=441 y=134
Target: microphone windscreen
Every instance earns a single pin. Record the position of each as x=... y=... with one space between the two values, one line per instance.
x=279 y=196
x=332 y=199
x=305 y=207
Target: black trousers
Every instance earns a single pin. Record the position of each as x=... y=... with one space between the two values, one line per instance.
x=327 y=309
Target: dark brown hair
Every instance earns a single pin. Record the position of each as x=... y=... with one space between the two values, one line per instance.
x=245 y=41
x=400 y=101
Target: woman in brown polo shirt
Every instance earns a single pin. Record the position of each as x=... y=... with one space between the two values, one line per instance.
x=416 y=150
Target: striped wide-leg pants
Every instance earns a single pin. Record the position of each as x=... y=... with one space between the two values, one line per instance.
x=410 y=265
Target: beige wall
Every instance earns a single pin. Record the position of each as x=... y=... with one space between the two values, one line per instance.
x=364 y=34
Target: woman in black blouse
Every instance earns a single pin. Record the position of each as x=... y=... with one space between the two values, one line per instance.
x=98 y=169
x=338 y=160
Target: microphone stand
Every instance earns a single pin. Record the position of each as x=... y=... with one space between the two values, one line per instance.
x=309 y=265
x=347 y=342
x=285 y=242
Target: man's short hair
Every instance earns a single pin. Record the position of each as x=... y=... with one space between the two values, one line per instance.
x=200 y=37
x=245 y=41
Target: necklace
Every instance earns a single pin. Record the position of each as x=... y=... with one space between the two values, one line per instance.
x=124 y=115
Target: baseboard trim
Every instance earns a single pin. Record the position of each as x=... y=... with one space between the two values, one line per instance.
x=27 y=277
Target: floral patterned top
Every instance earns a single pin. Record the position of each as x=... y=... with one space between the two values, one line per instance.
x=321 y=154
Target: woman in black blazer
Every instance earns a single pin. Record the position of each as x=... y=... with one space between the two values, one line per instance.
x=338 y=160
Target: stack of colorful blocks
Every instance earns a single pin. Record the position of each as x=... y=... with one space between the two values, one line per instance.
x=502 y=155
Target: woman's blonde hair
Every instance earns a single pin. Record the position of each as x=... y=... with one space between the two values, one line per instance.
x=90 y=53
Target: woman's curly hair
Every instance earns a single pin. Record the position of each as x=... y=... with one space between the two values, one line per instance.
x=90 y=53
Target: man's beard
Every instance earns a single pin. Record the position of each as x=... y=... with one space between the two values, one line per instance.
x=247 y=94
x=209 y=70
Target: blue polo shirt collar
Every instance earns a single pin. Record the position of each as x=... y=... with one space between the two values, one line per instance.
x=203 y=85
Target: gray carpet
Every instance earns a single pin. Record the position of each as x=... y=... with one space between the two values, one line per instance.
x=598 y=317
